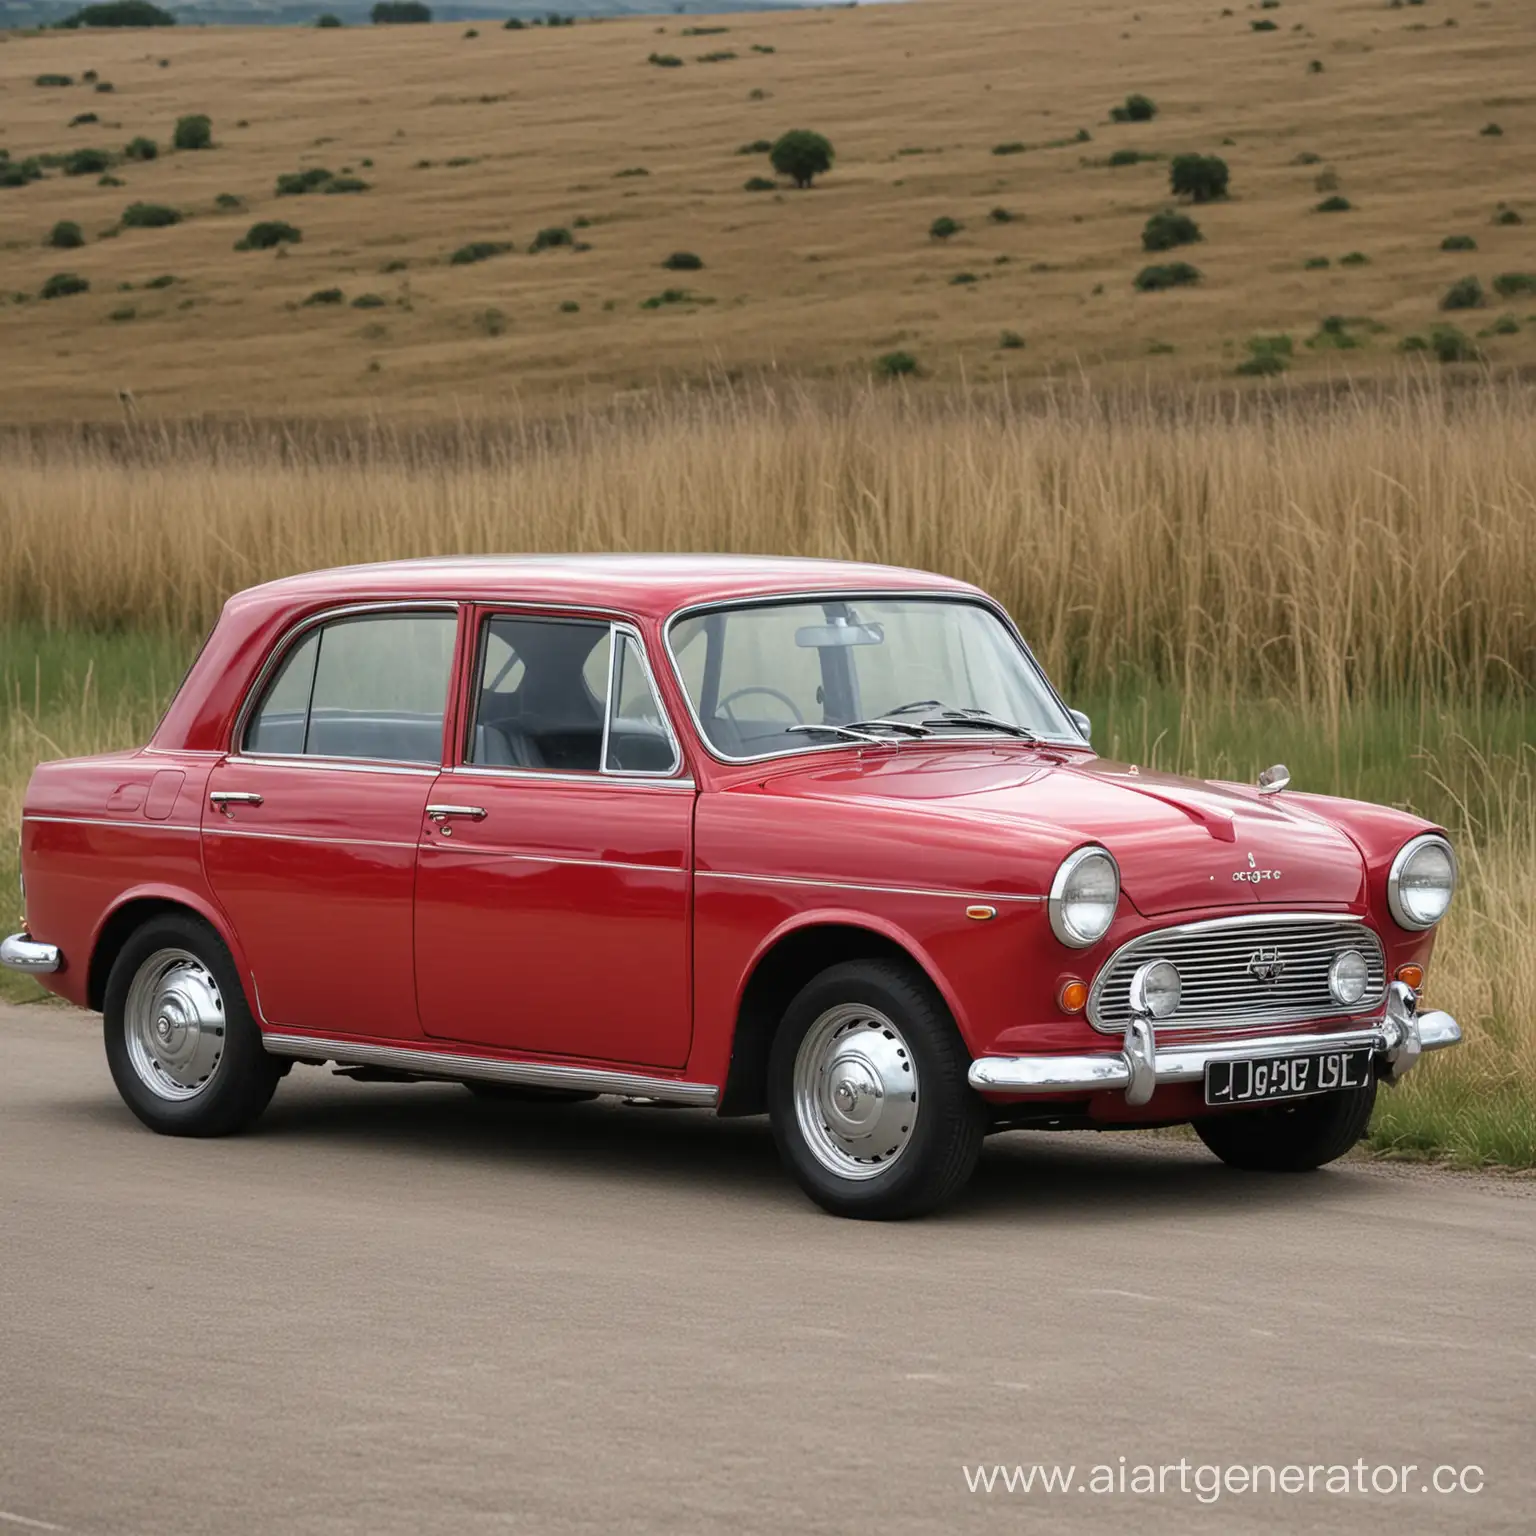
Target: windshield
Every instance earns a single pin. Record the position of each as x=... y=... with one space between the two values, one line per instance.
x=783 y=677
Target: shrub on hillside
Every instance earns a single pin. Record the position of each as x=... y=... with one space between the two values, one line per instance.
x=228 y=202
x=1451 y=345
x=66 y=236
x=550 y=239
x=194 y=131
x=1507 y=216
x=17 y=173
x=62 y=284
x=1265 y=25
x=1121 y=157
x=684 y=261
x=665 y=61
x=1491 y=131
x=944 y=228
x=1010 y=341
x=80 y=119
x=120 y=13
x=479 y=250
x=54 y=82
x=802 y=156
x=1175 y=274
x=267 y=235
x=1458 y=243
x=395 y=13
x=325 y=296
x=1167 y=229
x=86 y=162
x=1509 y=284
x=1316 y=263
x=346 y=184
x=165 y=280
x=297 y=183
x=1334 y=204
x=328 y=19
x=1466 y=294
x=1001 y=216
x=141 y=149
x=1354 y=259
x=1200 y=178
x=756 y=147
x=1136 y=109
x=1012 y=147
x=760 y=184
x=150 y=216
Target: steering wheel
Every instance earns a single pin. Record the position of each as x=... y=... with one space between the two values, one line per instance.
x=724 y=706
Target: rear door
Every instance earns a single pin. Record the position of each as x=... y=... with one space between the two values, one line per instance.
x=311 y=825
x=554 y=887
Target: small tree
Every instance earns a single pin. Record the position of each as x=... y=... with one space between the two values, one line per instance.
x=395 y=13
x=194 y=131
x=66 y=236
x=121 y=13
x=802 y=156
x=944 y=228
x=1466 y=294
x=327 y=19
x=1200 y=178
x=1137 y=109
x=684 y=261
x=268 y=234
x=141 y=149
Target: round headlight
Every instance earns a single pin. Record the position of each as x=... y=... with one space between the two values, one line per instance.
x=1348 y=977
x=1422 y=881
x=1156 y=988
x=1084 y=896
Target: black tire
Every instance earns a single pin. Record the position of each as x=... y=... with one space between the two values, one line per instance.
x=519 y=1093
x=1291 y=1138
x=241 y=1078
x=940 y=1155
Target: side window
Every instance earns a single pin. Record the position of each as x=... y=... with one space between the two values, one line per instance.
x=639 y=740
x=373 y=687
x=568 y=696
x=541 y=695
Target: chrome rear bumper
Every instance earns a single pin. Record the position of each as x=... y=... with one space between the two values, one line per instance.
x=1397 y=1039
x=20 y=952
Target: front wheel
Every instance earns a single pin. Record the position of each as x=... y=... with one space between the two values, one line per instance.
x=184 y=1051
x=1291 y=1138
x=867 y=1093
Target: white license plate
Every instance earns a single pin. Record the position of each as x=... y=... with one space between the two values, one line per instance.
x=1261 y=1079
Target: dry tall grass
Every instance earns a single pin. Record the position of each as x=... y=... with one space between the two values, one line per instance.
x=1376 y=543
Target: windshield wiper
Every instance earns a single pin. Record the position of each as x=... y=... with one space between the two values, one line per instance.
x=905 y=727
x=980 y=720
x=852 y=733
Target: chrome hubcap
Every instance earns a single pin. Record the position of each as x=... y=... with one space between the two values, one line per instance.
x=173 y=1025
x=856 y=1091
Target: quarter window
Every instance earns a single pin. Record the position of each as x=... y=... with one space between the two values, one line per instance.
x=373 y=687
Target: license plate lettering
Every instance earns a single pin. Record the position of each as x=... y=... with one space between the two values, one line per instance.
x=1264 y=1079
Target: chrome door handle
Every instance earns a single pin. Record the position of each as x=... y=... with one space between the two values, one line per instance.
x=441 y=813
x=233 y=797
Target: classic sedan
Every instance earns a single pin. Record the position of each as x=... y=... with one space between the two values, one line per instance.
x=803 y=838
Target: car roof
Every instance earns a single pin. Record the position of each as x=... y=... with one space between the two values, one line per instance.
x=652 y=586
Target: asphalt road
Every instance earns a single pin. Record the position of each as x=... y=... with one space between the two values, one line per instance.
x=396 y=1309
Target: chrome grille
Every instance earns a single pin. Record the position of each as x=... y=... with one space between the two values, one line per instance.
x=1222 y=961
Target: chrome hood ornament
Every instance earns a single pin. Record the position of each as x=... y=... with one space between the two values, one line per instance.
x=1274 y=779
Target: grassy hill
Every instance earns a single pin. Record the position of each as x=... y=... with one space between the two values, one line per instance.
x=493 y=137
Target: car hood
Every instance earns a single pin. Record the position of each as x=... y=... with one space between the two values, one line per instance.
x=1180 y=843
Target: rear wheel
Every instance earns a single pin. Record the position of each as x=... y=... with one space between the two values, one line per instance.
x=183 y=1049
x=1291 y=1138
x=867 y=1093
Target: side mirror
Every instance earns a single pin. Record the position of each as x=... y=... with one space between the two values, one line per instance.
x=1083 y=724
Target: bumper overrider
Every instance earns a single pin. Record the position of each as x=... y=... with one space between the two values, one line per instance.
x=1397 y=1040
x=21 y=952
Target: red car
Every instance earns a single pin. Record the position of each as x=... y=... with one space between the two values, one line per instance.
x=802 y=837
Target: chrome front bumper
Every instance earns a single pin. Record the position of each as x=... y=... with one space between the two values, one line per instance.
x=19 y=952
x=1398 y=1039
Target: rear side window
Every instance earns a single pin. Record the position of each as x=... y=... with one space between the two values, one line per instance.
x=372 y=687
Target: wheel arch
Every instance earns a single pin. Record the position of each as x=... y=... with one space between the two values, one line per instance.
x=131 y=912
x=786 y=961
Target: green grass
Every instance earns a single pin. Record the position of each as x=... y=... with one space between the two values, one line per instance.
x=1467 y=764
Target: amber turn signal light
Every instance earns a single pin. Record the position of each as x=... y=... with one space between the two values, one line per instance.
x=1073 y=996
x=1411 y=976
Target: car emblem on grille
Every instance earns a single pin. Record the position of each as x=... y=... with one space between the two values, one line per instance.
x=1253 y=874
x=1266 y=964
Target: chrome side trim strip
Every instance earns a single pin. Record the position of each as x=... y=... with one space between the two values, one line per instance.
x=101 y=821
x=535 y=1074
x=523 y=857
x=300 y=837
x=843 y=885
x=21 y=952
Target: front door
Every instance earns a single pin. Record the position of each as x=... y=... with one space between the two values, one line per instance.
x=554 y=888
x=311 y=825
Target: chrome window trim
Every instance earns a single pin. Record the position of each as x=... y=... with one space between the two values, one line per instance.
x=1152 y=935
x=558 y=776
x=1395 y=876
x=854 y=595
x=285 y=644
x=882 y=890
x=616 y=628
x=455 y=1066
x=332 y=764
